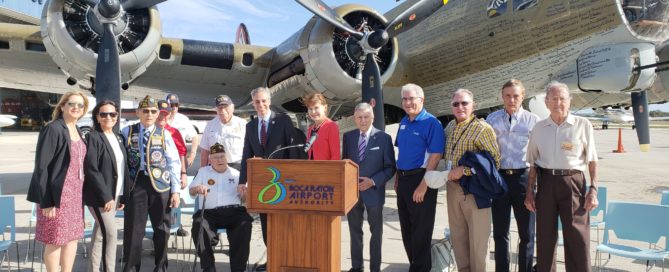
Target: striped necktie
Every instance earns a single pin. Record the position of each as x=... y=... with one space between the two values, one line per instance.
x=263 y=134
x=361 y=147
x=145 y=144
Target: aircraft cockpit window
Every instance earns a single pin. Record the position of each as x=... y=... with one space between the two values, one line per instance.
x=496 y=8
x=647 y=18
x=524 y=4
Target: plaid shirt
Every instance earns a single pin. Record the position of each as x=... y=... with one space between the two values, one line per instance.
x=470 y=135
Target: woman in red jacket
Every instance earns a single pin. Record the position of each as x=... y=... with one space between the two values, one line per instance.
x=326 y=146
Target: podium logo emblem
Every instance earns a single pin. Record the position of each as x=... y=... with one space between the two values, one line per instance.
x=274 y=183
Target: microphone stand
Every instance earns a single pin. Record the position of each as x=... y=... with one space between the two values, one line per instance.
x=284 y=148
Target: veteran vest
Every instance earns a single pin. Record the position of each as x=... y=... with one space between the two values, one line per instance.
x=156 y=162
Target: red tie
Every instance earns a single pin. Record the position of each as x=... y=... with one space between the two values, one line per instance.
x=263 y=134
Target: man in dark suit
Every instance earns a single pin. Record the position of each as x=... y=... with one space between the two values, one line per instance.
x=373 y=151
x=265 y=134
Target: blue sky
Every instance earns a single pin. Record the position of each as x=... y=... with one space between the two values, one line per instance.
x=269 y=22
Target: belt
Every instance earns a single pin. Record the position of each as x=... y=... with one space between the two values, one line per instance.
x=559 y=172
x=513 y=171
x=228 y=206
x=411 y=172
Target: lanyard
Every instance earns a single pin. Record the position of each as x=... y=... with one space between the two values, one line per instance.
x=461 y=134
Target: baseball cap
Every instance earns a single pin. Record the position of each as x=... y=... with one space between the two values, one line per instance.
x=223 y=100
x=163 y=106
x=216 y=148
x=172 y=99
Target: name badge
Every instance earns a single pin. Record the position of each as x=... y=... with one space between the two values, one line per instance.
x=402 y=127
x=449 y=165
x=567 y=146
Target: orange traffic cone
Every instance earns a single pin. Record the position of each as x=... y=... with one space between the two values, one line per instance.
x=620 y=149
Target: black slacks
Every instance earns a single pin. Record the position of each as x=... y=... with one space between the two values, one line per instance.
x=237 y=223
x=501 y=220
x=416 y=221
x=143 y=201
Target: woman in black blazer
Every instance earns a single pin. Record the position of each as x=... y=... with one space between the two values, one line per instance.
x=106 y=171
x=57 y=182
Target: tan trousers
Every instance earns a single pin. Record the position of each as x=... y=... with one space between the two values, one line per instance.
x=470 y=229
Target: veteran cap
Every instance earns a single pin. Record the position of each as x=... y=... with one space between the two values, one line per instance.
x=172 y=99
x=216 y=148
x=163 y=106
x=223 y=100
x=147 y=102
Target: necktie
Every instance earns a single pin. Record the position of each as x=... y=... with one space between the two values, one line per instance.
x=145 y=143
x=361 y=147
x=263 y=134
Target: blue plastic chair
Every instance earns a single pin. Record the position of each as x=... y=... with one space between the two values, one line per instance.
x=635 y=222
x=601 y=209
x=665 y=198
x=8 y=220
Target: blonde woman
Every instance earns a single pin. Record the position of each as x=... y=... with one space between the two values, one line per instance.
x=326 y=146
x=57 y=183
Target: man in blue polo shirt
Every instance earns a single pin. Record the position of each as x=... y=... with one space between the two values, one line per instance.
x=420 y=142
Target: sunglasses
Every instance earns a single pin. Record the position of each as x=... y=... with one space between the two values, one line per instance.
x=463 y=103
x=147 y=111
x=74 y=104
x=174 y=105
x=107 y=114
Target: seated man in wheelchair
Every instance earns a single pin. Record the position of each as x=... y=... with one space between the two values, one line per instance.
x=220 y=207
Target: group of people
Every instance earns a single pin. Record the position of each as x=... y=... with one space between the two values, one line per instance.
x=491 y=167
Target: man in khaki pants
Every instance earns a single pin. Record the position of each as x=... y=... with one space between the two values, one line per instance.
x=470 y=226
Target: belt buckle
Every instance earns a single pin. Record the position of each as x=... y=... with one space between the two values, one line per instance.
x=508 y=171
x=554 y=172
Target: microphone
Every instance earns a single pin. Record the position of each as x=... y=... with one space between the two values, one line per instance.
x=310 y=142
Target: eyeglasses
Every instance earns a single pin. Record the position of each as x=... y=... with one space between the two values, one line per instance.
x=174 y=105
x=410 y=99
x=463 y=103
x=217 y=157
x=107 y=114
x=74 y=104
x=147 y=111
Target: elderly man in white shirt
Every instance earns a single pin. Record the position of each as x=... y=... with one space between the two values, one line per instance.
x=223 y=209
x=225 y=129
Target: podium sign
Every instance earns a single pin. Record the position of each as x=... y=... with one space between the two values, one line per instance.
x=303 y=201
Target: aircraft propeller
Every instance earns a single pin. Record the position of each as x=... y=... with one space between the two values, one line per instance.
x=108 y=71
x=641 y=119
x=371 y=41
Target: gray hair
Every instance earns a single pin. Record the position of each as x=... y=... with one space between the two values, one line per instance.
x=364 y=106
x=465 y=91
x=556 y=85
x=261 y=90
x=413 y=87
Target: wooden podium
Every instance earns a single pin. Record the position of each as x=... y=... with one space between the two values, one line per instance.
x=303 y=201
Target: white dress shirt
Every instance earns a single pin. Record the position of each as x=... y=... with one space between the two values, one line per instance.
x=224 y=190
x=230 y=135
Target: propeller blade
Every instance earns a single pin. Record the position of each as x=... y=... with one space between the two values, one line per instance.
x=108 y=71
x=371 y=90
x=641 y=117
x=139 y=4
x=413 y=15
x=320 y=9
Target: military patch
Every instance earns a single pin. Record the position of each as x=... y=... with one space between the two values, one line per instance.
x=166 y=176
x=156 y=156
x=163 y=163
x=156 y=173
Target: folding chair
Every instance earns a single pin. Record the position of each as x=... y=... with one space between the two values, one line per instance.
x=635 y=222
x=601 y=208
x=8 y=220
x=665 y=198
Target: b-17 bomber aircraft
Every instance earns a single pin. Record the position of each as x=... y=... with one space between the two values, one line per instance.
x=606 y=51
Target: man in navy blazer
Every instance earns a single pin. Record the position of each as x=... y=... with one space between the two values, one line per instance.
x=373 y=151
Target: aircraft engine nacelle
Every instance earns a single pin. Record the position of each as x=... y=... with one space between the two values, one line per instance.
x=328 y=59
x=71 y=33
x=611 y=68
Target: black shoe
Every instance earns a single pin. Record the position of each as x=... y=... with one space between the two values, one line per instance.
x=355 y=270
x=262 y=267
x=182 y=232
